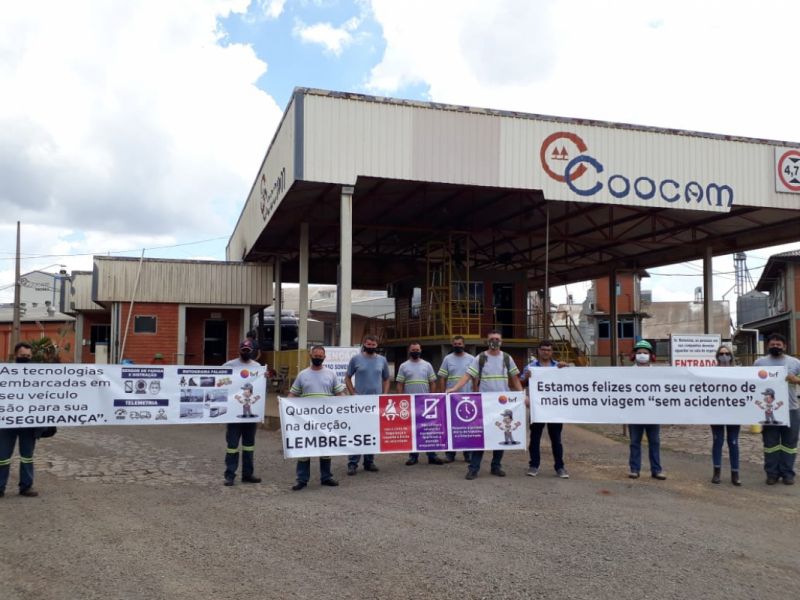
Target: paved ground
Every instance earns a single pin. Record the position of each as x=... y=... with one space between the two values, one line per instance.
x=135 y=513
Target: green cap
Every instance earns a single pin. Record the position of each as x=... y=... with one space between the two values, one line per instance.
x=643 y=344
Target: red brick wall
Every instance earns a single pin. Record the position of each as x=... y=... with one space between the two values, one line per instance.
x=142 y=347
x=624 y=300
x=195 y=331
x=32 y=331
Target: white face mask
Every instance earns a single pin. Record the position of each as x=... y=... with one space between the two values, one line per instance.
x=642 y=358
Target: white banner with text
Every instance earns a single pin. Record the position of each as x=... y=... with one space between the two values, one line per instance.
x=660 y=395
x=46 y=395
x=341 y=425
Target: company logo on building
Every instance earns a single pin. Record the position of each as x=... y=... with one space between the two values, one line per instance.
x=566 y=158
x=271 y=192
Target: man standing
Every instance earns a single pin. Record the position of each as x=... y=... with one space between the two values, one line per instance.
x=544 y=358
x=244 y=431
x=453 y=368
x=780 y=441
x=371 y=373
x=491 y=371
x=315 y=381
x=23 y=352
x=416 y=376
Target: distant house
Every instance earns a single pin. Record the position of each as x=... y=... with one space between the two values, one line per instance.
x=780 y=281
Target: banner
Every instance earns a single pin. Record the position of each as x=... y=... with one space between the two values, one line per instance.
x=341 y=425
x=660 y=395
x=338 y=357
x=43 y=395
x=699 y=350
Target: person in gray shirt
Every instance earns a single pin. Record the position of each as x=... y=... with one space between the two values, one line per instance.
x=314 y=382
x=371 y=374
x=453 y=368
x=780 y=441
x=416 y=376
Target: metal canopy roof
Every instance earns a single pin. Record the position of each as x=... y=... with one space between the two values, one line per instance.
x=422 y=172
x=393 y=220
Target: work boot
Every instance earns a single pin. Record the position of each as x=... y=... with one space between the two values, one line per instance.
x=28 y=492
x=715 y=478
x=370 y=467
x=228 y=483
x=353 y=469
x=251 y=479
x=330 y=482
x=471 y=475
x=735 y=478
x=498 y=472
x=299 y=486
x=435 y=461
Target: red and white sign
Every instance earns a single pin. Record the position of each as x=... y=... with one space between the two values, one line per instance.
x=787 y=170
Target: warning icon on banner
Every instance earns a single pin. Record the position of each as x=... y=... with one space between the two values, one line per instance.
x=787 y=170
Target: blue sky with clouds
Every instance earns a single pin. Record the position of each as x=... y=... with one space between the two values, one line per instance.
x=143 y=124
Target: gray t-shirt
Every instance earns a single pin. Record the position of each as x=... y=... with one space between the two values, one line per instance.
x=311 y=383
x=494 y=377
x=368 y=373
x=792 y=368
x=240 y=364
x=416 y=376
x=453 y=368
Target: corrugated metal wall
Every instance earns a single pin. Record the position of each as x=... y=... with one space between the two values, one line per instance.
x=78 y=293
x=187 y=282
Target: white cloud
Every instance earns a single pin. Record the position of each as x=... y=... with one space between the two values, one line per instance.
x=332 y=39
x=130 y=124
x=271 y=9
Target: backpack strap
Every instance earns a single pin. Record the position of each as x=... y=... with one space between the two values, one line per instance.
x=482 y=358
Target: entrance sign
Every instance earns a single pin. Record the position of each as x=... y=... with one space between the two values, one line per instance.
x=660 y=395
x=45 y=395
x=338 y=357
x=343 y=425
x=698 y=350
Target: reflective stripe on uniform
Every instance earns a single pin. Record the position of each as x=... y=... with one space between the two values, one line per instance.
x=789 y=450
x=5 y=463
x=772 y=449
x=232 y=450
x=25 y=460
x=248 y=448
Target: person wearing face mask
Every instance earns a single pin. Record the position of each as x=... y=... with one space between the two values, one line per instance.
x=725 y=359
x=371 y=374
x=453 y=368
x=416 y=376
x=25 y=436
x=314 y=382
x=246 y=432
x=780 y=441
x=490 y=371
x=643 y=356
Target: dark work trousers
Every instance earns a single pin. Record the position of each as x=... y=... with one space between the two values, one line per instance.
x=554 y=433
x=476 y=457
x=780 y=447
x=636 y=433
x=718 y=436
x=27 y=443
x=304 y=469
x=247 y=433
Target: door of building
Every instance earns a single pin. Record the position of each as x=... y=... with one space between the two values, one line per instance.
x=215 y=342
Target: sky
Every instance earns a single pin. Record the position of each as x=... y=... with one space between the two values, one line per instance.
x=141 y=125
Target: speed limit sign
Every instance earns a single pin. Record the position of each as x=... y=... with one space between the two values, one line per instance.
x=787 y=170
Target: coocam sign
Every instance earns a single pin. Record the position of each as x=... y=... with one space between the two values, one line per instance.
x=566 y=158
x=271 y=192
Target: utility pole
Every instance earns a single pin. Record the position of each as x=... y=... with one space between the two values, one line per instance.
x=17 y=290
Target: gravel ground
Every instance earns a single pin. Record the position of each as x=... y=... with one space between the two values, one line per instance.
x=140 y=512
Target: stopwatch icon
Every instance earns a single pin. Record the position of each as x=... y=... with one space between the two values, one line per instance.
x=467 y=410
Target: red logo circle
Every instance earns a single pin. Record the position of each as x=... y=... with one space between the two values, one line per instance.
x=244 y=373
x=502 y=399
x=790 y=174
x=561 y=154
x=762 y=374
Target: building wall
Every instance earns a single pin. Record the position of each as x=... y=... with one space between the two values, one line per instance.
x=60 y=333
x=626 y=298
x=89 y=319
x=195 y=331
x=142 y=347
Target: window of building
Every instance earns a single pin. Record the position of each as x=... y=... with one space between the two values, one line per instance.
x=416 y=302
x=625 y=329
x=144 y=324
x=468 y=296
x=99 y=334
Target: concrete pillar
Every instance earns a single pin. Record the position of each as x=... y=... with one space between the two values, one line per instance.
x=346 y=267
x=79 y=322
x=180 y=350
x=302 y=334
x=612 y=316
x=708 y=290
x=277 y=306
